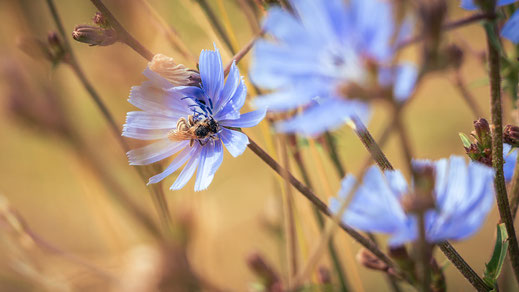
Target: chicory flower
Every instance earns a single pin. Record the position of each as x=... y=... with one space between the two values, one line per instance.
x=193 y=121
x=463 y=195
x=320 y=49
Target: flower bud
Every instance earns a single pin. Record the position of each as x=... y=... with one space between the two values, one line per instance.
x=176 y=74
x=483 y=133
x=267 y=274
x=94 y=36
x=511 y=135
x=370 y=261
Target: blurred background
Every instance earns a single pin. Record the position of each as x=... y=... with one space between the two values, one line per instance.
x=63 y=229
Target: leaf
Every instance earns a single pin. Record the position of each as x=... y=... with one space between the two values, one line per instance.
x=465 y=140
x=494 y=266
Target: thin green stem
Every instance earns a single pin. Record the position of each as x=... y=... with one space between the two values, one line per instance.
x=334 y=154
x=156 y=191
x=320 y=205
x=320 y=223
x=497 y=149
x=216 y=24
x=463 y=267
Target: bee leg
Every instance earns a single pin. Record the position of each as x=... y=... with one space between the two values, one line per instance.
x=191 y=120
x=191 y=142
x=201 y=144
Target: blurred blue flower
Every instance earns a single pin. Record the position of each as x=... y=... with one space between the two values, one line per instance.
x=216 y=104
x=510 y=159
x=463 y=194
x=510 y=30
x=322 y=47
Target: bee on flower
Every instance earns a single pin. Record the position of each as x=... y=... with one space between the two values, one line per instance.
x=189 y=114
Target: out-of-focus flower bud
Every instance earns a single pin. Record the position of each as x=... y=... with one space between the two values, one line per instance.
x=176 y=74
x=454 y=55
x=95 y=36
x=432 y=14
x=262 y=269
x=52 y=50
x=323 y=275
x=370 y=261
x=511 y=135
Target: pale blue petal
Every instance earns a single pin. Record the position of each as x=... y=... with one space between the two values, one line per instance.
x=145 y=134
x=511 y=29
x=328 y=115
x=188 y=170
x=179 y=160
x=155 y=152
x=246 y=120
x=275 y=65
x=235 y=142
x=396 y=182
x=283 y=26
x=210 y=160
x=157 y=80
x=314 y=17
x=405 y=82
x=232 y=109
x=510 y=160
x=231 y=85
x=211 y=73
x=147 y=120
x=375 y=202
x=158 y=101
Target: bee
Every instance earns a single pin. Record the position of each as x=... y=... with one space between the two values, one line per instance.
x=192 y=129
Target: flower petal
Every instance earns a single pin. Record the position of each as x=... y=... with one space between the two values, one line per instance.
x=511 y=29
x=188 y=170
x=147 y=120
x=158 y=101
x=405 y=82
x=231 y=85
x=144 y=134
x=210 y=160
x=179 y=160
x=211 y=73
x=235 y=142
x=510 y=160
x=328 y=115
x=155 y=152
x=246 y=120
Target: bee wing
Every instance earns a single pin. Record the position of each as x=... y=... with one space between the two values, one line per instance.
x=181 y=135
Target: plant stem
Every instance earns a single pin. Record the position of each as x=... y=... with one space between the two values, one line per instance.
x=320 y=223
x=320 y=205
x=156 y=191
x=467 y=96
x=290 y=229
x=238 y=56
x=514 y=191
x=122 y=33
x=370 y=144
x=449 y=26
x=334 y=155
x=463 y=267
x=497 y=150
x=216 y=24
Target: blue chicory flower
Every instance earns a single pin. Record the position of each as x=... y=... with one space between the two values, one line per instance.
x=510 y=30
x=510 y=157
x=463 y=194
x=215 y=103
x=317 y=50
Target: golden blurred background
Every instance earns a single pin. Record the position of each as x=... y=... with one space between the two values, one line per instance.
x=94 y=244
